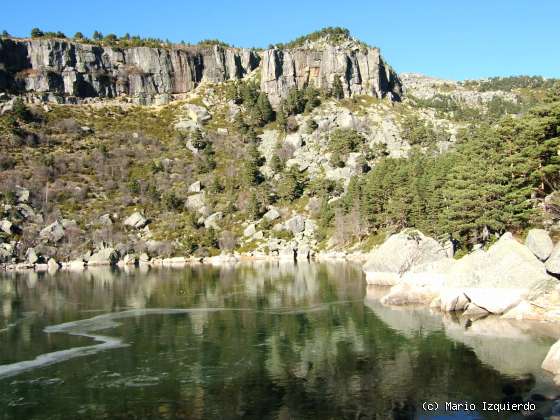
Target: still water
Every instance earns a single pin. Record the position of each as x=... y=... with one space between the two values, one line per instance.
x=258 y=341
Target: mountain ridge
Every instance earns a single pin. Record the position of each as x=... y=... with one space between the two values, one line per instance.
x=69 y=71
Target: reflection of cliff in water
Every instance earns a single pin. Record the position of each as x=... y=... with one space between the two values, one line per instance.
x=513 y=348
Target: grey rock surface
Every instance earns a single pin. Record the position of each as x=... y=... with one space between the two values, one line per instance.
x=105 y=256
x=553 y=263
x=540 y=244
x=150 y=75
x=136 y=220
x=399 y=254
x=53 y=232
x=361 y=71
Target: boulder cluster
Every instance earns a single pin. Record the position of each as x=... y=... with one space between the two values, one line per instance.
x=510 y=279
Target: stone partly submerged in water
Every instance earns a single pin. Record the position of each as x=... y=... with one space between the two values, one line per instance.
x=552 y=361
x=105 y=256
x=496 y=280
x=512 y=348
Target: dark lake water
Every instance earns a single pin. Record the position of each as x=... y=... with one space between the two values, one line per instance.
x=259 y=341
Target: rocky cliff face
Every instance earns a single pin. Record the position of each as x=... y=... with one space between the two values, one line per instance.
x=74 y=70
x=361 y=70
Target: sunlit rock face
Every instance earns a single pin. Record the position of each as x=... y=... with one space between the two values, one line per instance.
x=74 y=70
x=361 y=71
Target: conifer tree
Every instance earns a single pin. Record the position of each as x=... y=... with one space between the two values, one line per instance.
x=337 y=91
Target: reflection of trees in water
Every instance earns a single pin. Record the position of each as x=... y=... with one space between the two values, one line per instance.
x=303 y=345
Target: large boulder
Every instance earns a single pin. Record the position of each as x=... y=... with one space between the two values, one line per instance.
x=22 y=194
x=105 y=256
x=136 y=220
x=212 y=220
x=296 y=224
x=493 y=300
x=31 y=256
x=52 y=265
x=552 y=361
x=6 y=226
x=195 y=187
x=271 y=214
x=195 y=202
x=553 y=263
x=540 y=244
x=53 y=232
x=197 y=113
x=506 y=265
x=250 y=230
x=399 y=254
x=75 y=265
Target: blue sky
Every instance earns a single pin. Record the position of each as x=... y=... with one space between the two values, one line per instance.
x=444 y=38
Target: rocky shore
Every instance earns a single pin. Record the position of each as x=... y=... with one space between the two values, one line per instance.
x=510 y=279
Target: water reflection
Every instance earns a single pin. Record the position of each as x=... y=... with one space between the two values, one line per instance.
x=266 y=340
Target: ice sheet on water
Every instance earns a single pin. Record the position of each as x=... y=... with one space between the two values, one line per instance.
x=86 y=328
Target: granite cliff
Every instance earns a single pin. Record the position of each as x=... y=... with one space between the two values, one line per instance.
x=75 y=71
x=67 y=71
x=361 y=70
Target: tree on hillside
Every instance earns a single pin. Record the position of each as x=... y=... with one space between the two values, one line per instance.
x=337 y=91
x=265 y=110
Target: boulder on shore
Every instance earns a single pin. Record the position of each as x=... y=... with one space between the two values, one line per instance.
x=540 y=244
x=31 y=256
x=494 y=281
x=105 y=256
x=53 y=232
x=506 y=265
x=552 y=361
x=553 y=263
x=399 y=254
x=52 y=265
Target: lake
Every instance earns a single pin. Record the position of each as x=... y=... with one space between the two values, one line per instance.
x=256 y=341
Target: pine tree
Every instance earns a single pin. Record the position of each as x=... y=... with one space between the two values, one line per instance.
x=282 y=118
x=295 y=102
x=251 y=172
x=337 y=91
x=265 y=109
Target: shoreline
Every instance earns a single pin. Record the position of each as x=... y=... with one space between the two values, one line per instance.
x=509 y=281
x=136 y=261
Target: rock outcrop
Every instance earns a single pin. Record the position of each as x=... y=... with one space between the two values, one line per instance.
x=552 y=361
x=73 y=71
x=492 y=281
x=540 y=244
x=67 y=71
x=399 y=254
x=428 y=88
x=361 y=70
